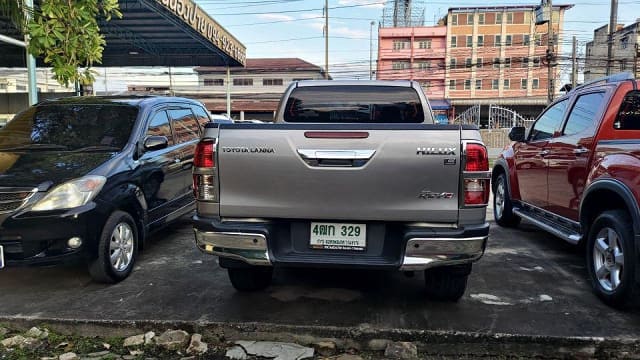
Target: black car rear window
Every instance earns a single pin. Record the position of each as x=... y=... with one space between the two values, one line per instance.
x=353 y=104
x=70 y=126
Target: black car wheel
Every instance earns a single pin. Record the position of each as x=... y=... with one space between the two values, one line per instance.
x=117 y=249
x=250 y=278
x=446 y=283
x=611 y=260
x=502 y=207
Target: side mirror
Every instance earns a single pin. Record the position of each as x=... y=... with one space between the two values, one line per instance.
x=152 y=143
x=517 y=133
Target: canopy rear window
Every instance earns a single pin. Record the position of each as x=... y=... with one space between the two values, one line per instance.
x=354 y=104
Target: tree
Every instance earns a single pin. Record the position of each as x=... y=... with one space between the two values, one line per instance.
x=65 y=33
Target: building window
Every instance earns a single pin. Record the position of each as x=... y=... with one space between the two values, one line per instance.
x=242 y=82
x=624 y=43
x=479 y=63
x=498 y=18
x=496 y=63
x=213 y=82
x=469 y=41
x=494 y=84
x=424 y=65
x=454 y=19
x=481 y=19
x=507 y=62
x=506 y=84
x=424 y=44
x=525 y=62
x=535 y=84
x=478 y=84
x=467 y=62
x=538 y=38
x=480 y=40
x=452 y=63
x=21 y=88
x=400 y=65
x=3 y=86
x=272 y=82
x=509 y=18
x=497 y=41
x=400 y=44
x=454 y=41
x=526 y=39
x=452 y=84
x=469 y=19
x=467 y=84
x=523 y=83
x=508 y=40
x=536 y=61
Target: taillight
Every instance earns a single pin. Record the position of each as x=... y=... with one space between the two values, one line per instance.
x=477 y=158
x=204 y=155
x=204 y=171
x=476 y=175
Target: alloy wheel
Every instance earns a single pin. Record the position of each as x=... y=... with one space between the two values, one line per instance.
x=499 y=199
x=121 y=246
x=608 y=259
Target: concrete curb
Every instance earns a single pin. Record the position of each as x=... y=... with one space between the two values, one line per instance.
x=429 y=342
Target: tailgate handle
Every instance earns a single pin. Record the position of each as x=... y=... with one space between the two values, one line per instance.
x=341 y=158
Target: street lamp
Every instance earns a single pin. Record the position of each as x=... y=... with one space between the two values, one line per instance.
x=371 y=50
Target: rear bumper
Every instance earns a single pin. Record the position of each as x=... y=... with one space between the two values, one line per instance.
x=412 y=249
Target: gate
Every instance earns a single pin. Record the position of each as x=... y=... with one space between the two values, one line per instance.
x=470 y=116
x=502 y=118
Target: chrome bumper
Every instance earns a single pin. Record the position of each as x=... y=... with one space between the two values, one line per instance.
x=420 y=253
x=424 y=253
x=249 y=248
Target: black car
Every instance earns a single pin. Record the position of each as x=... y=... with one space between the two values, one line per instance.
x=90 y=177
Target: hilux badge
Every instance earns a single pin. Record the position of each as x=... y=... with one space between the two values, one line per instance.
x=436 y=151
x=426 y=194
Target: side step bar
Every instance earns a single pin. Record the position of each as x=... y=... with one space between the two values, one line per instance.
x=547 y=225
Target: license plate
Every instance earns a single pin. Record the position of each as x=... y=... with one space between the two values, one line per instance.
x=338 y=236
x=1 y=257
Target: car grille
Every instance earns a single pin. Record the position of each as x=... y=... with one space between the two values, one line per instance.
x=12 y=198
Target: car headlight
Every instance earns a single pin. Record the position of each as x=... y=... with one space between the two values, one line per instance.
x=71 y=194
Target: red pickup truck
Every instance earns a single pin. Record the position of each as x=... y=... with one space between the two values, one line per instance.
x=576 y=174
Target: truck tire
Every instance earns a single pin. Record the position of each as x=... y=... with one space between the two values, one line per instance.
x=446 y=283
x=117 y=249
x=502 y=207
x=611 y=260
x=250 y=278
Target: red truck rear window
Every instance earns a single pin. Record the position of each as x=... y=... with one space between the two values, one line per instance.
x=354 y=104
x=629 y=115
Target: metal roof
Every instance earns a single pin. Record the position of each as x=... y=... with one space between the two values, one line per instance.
x=152 y=33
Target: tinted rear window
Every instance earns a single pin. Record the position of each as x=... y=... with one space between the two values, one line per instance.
x=354 y=104
x=71 y=126
x=629 y=115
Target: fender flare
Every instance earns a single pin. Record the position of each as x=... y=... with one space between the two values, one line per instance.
x=623 y=191
x=502 y=163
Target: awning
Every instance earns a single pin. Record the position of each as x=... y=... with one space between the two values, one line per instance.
x=440 y=104
x=153 y=33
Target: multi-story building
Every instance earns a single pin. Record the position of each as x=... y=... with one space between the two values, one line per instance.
x=255 y=89
x=496 y=54
x=415 y=53
x=626 y=51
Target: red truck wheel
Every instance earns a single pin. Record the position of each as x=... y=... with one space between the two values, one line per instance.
x=610 y=259
x=502 y=207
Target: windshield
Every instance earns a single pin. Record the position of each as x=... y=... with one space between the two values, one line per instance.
x=70 y=127
x=354 y=104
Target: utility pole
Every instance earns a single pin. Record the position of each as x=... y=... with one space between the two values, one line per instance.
x=170 y=82
x=326 y=39
x=550 y=54
x=613 y=24
x=574 y=64
x=371 y=50
x=31 y=61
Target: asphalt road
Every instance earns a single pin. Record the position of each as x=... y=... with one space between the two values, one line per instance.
x=528 y=283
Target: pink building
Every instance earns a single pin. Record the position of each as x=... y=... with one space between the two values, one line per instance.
x=414 y=53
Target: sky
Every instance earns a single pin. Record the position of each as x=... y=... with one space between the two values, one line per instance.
x=294 y=28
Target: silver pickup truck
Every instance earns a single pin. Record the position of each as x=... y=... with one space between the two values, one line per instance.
x=353 y=174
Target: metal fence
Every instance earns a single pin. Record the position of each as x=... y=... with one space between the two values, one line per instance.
x=502 y=118
x=469 y=116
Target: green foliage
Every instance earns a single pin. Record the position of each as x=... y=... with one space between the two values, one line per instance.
x=66 y=34
x=13 y=10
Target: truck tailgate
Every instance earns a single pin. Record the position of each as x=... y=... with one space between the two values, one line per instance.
x=368 y=172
